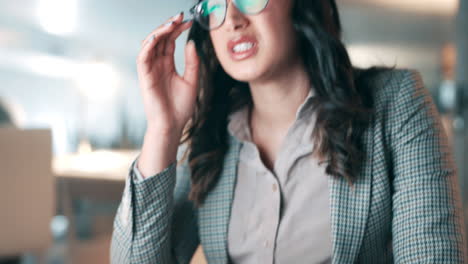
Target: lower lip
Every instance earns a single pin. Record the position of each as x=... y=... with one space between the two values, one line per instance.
x=244 y=54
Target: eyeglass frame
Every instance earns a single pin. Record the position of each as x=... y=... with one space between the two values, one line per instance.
x=199 y=4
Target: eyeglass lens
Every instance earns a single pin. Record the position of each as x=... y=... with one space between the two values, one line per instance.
x=211 y=13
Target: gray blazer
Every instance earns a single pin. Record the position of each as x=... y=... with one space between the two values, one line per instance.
x=405 y=206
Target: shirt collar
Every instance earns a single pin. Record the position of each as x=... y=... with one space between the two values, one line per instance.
x=306 y=106
x=238 y=121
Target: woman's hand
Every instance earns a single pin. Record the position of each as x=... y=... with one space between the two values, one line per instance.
x=169 y=99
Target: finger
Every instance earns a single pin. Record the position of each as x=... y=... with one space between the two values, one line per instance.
x=160 y=50
x=191 y=63
x=169 y=43
x=156 y=32
x=175 y=19
x=145 y=52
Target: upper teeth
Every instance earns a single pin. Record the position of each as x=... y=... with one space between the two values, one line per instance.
x=242 y=46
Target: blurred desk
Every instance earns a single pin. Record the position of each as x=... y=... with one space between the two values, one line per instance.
x=98 y=176
x=92 y=178
x=101 y=164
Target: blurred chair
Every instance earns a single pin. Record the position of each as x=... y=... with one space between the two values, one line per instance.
x=27 y=191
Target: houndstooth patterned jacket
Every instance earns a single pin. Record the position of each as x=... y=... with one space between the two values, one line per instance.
x=404 y=208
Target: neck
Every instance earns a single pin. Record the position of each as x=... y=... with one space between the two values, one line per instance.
x=276 y=100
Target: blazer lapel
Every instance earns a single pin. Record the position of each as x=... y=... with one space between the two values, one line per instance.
x=350 y=207
x=215 y=213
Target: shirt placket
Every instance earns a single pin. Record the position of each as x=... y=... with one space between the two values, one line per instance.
x=271 y=204
x=271 y=215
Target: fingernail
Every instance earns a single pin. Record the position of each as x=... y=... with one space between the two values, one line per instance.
x=169 y=23
x=177 y=16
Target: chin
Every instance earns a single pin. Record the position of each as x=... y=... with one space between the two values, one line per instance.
x=244 y=72
x=244 y=76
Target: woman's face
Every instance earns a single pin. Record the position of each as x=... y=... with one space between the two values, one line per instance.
x=272 y=34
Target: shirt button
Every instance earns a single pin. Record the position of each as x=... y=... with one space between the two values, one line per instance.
x=266 y=243
x=275 y=187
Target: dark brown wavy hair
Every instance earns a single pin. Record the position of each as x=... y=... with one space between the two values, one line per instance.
x=342 y=99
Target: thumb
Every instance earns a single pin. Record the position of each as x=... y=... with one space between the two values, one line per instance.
x=191 y=63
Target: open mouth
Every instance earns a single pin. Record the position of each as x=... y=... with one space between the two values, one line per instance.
x=242 y=48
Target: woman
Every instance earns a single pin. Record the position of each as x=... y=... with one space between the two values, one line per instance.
x=294 y=156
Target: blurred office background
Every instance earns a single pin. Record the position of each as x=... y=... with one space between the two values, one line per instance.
x=68 y=77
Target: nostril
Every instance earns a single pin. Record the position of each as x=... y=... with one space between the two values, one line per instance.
x=234 y=18
x=237 y=26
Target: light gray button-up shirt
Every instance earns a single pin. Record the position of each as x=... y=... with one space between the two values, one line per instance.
x=280 y=216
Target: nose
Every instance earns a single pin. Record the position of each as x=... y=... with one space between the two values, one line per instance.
x=235 y=19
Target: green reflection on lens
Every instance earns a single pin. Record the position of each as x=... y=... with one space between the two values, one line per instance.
x=251 y=6
x=209 y=7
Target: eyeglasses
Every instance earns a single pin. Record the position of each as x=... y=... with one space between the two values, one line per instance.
x=210 y=14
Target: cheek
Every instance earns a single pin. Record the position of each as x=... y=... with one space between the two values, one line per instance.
x=278 y=40
x=275 y=27
x=219 y=46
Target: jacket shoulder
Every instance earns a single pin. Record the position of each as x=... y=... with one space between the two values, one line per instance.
x=387 y=84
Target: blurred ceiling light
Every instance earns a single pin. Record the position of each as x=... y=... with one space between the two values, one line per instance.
x=97 y=80
x=46 y=65
x=58 y=16
x=51 y=66
x=440 y=7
